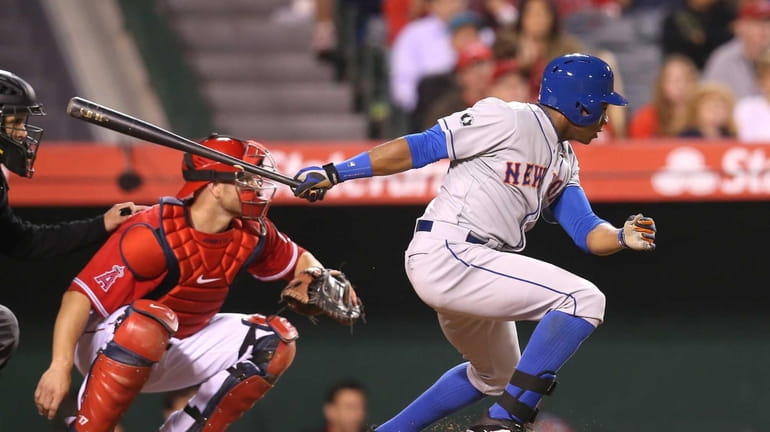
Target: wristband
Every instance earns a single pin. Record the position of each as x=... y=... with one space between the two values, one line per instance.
x=358 y=166
x=622 y=240
x=332 y=173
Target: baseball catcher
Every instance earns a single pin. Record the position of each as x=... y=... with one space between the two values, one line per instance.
x=144 y=314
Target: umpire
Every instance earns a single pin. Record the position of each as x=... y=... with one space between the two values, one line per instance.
x=20 y=239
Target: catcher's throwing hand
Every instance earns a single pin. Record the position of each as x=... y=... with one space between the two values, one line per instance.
x=318 y=291
x=638 y=233
x=315 y=181
x=51 y=390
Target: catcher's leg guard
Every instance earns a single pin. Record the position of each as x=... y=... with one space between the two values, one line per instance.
x=123 y=366
x=224 y=397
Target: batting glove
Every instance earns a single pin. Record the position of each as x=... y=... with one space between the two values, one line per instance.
x=638 y=233
x=315 y=181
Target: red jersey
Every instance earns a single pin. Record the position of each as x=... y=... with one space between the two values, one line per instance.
x=157 y=254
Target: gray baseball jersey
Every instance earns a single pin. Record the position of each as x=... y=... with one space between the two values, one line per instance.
x=507 y=166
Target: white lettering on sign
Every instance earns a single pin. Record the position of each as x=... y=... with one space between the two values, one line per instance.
x=742 y=171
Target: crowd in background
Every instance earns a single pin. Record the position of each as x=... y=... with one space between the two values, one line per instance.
x=711 y=79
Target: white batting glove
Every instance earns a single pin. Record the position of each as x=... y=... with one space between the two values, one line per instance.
x=638 y=233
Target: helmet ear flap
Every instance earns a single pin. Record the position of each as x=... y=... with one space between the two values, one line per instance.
x=586 y=114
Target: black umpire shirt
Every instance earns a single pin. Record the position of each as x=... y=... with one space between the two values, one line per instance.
x=24 y=240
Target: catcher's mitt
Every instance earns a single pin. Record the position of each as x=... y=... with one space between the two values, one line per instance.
x=327 y=292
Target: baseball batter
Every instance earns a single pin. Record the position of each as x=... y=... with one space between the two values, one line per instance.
x=143 y=315
x=511 y=163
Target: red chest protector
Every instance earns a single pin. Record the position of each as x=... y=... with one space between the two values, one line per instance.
x=201 y=267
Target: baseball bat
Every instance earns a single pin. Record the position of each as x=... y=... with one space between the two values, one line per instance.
x=91 y=112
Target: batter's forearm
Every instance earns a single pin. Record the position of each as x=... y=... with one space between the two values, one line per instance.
x=603 y=240
x=70 y=322
x=391 y=157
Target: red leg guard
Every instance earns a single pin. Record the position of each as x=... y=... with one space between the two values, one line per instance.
x=241 y=397
x=282 y=359
x=121 y=369
x=111 y=388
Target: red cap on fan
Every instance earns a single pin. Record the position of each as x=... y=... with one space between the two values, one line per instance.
x=755 y=10
x=506 y=66
x=473 y=53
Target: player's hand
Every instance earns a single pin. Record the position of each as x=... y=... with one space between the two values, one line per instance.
x=51 y=390
x=315 y=181
x=119 y=213
x=638 y=233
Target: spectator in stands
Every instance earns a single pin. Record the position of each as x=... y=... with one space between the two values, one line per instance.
x=344 y=409
x=609 y=7
x=510 y=82
x=710 y=113
x=472 y=77
x=325 y=34
x=752 y=113
x=496 y=13
x=733 y=63
x=536 y=38
x=465 y=28
x=177 y=400
x=399 y=13
x=422 y=48
x=697 y=28
x=665 y=115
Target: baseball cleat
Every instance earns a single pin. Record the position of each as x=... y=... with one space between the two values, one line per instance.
x=489 y=424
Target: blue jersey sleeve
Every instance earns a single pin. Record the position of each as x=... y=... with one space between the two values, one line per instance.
x=427 y=147
x=573 y=212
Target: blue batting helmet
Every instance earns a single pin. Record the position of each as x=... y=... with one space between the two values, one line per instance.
x=577 y=85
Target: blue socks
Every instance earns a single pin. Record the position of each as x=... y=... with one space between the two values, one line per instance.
x=450 y=393
x=555 y=339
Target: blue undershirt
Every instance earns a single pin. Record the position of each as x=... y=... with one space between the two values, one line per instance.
x=573 y=212
x=427 y=147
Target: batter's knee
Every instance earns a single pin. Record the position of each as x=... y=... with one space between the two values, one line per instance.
x=491 y=383
x=590 y=302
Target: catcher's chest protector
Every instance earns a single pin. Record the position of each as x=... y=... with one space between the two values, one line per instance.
x=201 y=267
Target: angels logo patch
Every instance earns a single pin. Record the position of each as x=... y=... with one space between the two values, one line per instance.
x=106 y=279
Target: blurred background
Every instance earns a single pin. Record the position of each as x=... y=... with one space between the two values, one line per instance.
x=687 y=338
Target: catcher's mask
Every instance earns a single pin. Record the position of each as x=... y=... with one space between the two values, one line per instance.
x=18 y=139
x=255 y=192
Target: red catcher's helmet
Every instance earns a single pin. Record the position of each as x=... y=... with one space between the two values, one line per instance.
x=255 y=191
